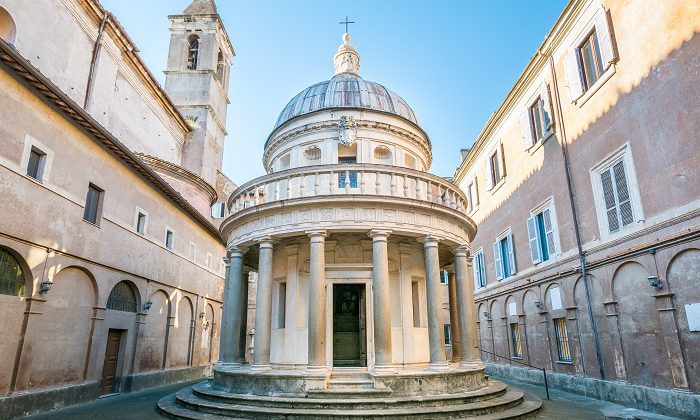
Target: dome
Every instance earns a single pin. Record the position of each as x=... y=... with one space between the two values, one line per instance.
x=346 y=90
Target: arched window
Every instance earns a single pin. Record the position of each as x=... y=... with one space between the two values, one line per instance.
x=220 y=65
x=122 y=298
x=11 y=275
x=8 y=30
x=193 y=52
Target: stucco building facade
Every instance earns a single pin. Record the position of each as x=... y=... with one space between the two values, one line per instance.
x=111 y=262
x=590 y=166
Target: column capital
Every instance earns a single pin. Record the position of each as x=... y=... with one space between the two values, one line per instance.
x=317 y=235
x=429 y=241
x=234 y=252
x=265 y=241
x=379 y=234
x=462 y=251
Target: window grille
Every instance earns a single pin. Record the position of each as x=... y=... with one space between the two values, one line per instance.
x=448 y=334
x=563 y=349
x=122 y=298
x=515 y=340
x=11 y=275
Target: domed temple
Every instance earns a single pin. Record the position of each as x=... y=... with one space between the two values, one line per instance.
x=348 y=233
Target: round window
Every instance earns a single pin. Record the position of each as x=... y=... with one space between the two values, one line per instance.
x=313 y=153
x=382 y=152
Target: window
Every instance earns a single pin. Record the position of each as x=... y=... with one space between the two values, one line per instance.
x=554 y=294
x=590 y=57
x=122 y=298
x=209 y=260
x=540 y=232
x=536 y=118
x=169 y=238
x=495 y=168
x=93 y=204
x=539 y=119
x=618 y=206
x=448 y=334
x=220 y=66
x=504 y=257
x=218 y=210
x=11 y=276
x=35 y=166
x=346 y=177
x=590 y=61
x=281 y=303
x=515 y=342
x=562 y=340
x=444 y=277
x=141 y=223
x=472 y=195
x=479 y=269
x=193 y=52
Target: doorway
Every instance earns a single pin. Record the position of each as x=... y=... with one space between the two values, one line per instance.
x=109 y=369
x=349 y=326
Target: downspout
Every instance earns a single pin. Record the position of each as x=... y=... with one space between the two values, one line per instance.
x=93 y=62
x=581 y=254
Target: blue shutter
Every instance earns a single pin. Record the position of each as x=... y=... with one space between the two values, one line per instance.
x=497 y=260
x=533 y=239
x=549 y=231
x=511 y=255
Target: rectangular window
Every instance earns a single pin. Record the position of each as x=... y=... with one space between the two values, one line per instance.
x=504 y=256
x=35 y=166
x=444 y=277
x=616 y=197
x=591 y=65
x=93 y=204
x=539 y=120
x=540 y=231
x=495 y=168
x=217 y=210
x=141 y=223
x=448 y=334
x=169 y=239
x=562 y=340
x=281 y=303
x=209 y=260
x=345 y=176
x=415 y=294
x=193 y=251
x=470 y=197
x=479 y=269
x=515 y=340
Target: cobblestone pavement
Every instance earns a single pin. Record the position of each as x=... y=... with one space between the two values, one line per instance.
x=142 y=406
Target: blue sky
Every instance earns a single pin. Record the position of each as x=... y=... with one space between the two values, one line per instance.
x=452 y=61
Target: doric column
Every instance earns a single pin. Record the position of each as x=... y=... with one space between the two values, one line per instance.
x=436 y=334
x=227 y=314
x=239 y=283
x=467 y=310
x=317 y=301
x=381 y=298
x=454 y=317
x=263 y=307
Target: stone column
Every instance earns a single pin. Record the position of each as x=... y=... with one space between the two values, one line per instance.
x=467 y=310
x=381 y=295
x=263 y=307
x=436 y=334
x=317 y=301
x=227 y=314
x=239 y=283
x=454 y=318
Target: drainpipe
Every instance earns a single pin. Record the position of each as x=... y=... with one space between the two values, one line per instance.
x=93 y=62
x=581 y=254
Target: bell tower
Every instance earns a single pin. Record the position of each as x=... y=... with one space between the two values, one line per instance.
x=197 y=81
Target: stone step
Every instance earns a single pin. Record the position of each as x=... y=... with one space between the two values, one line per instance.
x=187 y=405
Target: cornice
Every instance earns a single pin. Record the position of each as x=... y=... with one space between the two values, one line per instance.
x=42 y=87
x=180 y=173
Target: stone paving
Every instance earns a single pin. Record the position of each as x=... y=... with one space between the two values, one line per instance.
x=142 y=406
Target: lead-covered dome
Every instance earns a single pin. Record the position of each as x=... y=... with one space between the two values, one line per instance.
x=346 y=90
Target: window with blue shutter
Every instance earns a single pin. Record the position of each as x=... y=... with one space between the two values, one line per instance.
x=479 y=270
x=540 y=232
x=504 y=257
x=616 y=197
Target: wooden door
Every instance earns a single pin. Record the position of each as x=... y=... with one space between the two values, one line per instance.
x=109 y=370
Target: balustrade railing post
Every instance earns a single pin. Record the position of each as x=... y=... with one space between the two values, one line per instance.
x=393 y=184
x=430 y=192
x=347 y=181
x=257 y=196
x=331 y=183
x=377 y=185
x=317 y=184
x=302 y=187
x=277 y=190
x=405 y=185
x=438 y=194
x=363 y=181
x=417 y=188
x=289 y=188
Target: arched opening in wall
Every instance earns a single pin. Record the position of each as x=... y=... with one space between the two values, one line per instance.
x=153 y=334
x=682 y=277
x=513 y=327
x=192 y=52
x=347 y=154
x=179 y=338
x=57 y=343
x=8 y=30
x=535 y=333
x=220 y=67
x=410 y=161
x=585 y=328
x=500 y=346
x=12 y=278
x=207 y=339
x=123 y=297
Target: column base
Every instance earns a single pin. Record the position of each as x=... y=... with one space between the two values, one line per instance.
x=316 y=369
x=388 y=368
x=438 y=366
x=260 y=367
x=471 y=364
x=227 y=364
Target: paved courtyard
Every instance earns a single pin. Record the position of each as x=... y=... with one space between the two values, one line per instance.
x=142 y=406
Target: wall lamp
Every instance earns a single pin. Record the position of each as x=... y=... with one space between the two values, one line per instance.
x=147 y=305
x=655 y=282
x=539 y=304
x=45 y=286
x=486 y=314
x=202 y=314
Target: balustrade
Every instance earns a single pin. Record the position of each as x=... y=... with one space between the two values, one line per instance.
x=348 y=179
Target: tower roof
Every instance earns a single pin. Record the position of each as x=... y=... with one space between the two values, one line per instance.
x=201 y=7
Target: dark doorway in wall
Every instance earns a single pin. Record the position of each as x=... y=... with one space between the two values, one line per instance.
x=349 y=326
x=109 y=369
